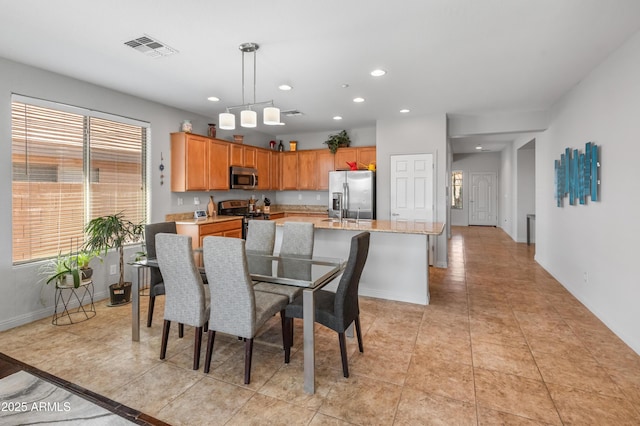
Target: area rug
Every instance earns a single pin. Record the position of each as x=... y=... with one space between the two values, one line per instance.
x=30 y=396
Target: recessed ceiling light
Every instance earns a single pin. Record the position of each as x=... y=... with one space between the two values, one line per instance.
x=478 y=147
x=378 y=73
x=337 y=117
x=285 y=87
x=344 y=86
x=404 y=111
x=213 y=99
x=358 y=100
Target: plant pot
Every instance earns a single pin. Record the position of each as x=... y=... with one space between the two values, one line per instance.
x=86 y=273
x=119 y=295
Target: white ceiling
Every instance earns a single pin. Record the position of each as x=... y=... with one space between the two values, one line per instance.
x=442 y=56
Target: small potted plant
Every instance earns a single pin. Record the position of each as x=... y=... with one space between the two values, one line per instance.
x=63 y=270
x=336 y=141
x=82 y=259
x=113 y=231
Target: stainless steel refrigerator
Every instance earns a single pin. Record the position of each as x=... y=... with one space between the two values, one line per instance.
x=358 y=189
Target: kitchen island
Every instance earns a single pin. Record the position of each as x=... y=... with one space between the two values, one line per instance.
x=397 y=267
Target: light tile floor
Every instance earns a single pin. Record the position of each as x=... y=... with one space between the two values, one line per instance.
x=501 y=343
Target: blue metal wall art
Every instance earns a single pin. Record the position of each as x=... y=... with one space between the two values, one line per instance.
x=576 y=175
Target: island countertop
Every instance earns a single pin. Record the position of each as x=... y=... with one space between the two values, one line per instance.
x=394 y=226
x=207 y=220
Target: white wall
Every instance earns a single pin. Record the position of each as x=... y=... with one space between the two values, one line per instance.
x=476 y=162
x=414 y=135
x=526 y=194
x=600 y=238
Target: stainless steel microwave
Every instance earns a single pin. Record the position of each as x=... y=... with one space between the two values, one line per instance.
x=243 y=178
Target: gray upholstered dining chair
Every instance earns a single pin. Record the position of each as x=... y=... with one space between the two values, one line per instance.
x=297 y=241
x=338 y=310
x=186 y=300
x=261 y=236
x=236 y=308
x=156 y=284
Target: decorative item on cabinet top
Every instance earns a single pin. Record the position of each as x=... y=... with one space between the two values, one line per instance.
x=186 y=126
x=338 y=140
x=293 y=145
x=238 y=138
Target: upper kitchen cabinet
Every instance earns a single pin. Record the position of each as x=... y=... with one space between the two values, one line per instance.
x=242 y=155
x=307 y=169
x=219 y=165
x=189 y=162
x=324 y=165
x=263 y=165
x=289 y=170
x=276 y=170
x=362 y=156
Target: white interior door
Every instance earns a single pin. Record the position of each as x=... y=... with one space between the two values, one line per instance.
x=483 y=201
x=412 y=187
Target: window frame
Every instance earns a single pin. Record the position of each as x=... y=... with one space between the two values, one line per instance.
x=88 y=179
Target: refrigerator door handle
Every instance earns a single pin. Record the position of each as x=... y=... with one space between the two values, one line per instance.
x=345 y=212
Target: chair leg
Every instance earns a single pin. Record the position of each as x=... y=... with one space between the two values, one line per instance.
x=285 y=336
x=196 y=348
x=343 y=354
x=248 y=352
x=165 y=337
x=152 y=303
x=207 y=359
x=359 y=334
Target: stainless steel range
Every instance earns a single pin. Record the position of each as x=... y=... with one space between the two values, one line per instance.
x=239 y=208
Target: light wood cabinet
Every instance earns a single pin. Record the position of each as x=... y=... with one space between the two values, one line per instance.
x=307 y=170
x=263 y=164
x=289 y=171
x=366 y=155
x=276 y=170
x=324 y=165
x=218 y=165
x=278 y=215
x=189 y=162
x=197 y=231
x=242 y=155
x=361 y=155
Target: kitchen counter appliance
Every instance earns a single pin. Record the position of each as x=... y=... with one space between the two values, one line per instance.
x=240 y=208
x=243 y=178
x=352 y=194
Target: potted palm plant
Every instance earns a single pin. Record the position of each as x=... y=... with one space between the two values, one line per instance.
x=113 y=231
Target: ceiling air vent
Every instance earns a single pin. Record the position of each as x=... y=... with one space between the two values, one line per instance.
x=151 y=47
x=291 y=113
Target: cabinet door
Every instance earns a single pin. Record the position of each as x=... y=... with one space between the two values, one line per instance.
x=219 y=165
x=324 y=164
x=366 y=155
x=196 y=163
x=263 y=159
x=342 y=156
x=307 y=169
x=236 y=155
x=275 y=170
x=249 y=155
x=236 y=233
x=289 y=170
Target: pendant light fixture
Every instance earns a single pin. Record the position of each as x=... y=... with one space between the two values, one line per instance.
x=248 y=115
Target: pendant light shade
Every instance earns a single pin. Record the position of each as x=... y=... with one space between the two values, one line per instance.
x=227 y=121
x=248 y=118
x=271 y=116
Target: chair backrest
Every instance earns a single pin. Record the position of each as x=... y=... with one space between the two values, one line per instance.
x=233 y=304
x=297 y=239
x=261 y=236
x=185 y=295
x=346 y=300
x=150 y=232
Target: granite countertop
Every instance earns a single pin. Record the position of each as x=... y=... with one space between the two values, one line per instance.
x=393 y=226
x=180 y=219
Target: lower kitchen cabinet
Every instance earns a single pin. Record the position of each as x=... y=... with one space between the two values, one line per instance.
x=197 y=231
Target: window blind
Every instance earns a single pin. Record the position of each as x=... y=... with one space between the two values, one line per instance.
x=68 y=168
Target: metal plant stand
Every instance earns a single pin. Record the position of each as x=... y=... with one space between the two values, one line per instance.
x=66 y=296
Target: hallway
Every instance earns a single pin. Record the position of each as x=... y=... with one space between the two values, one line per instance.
x=501 y=343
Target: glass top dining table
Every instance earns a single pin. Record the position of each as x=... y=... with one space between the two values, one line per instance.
x=310 y=274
